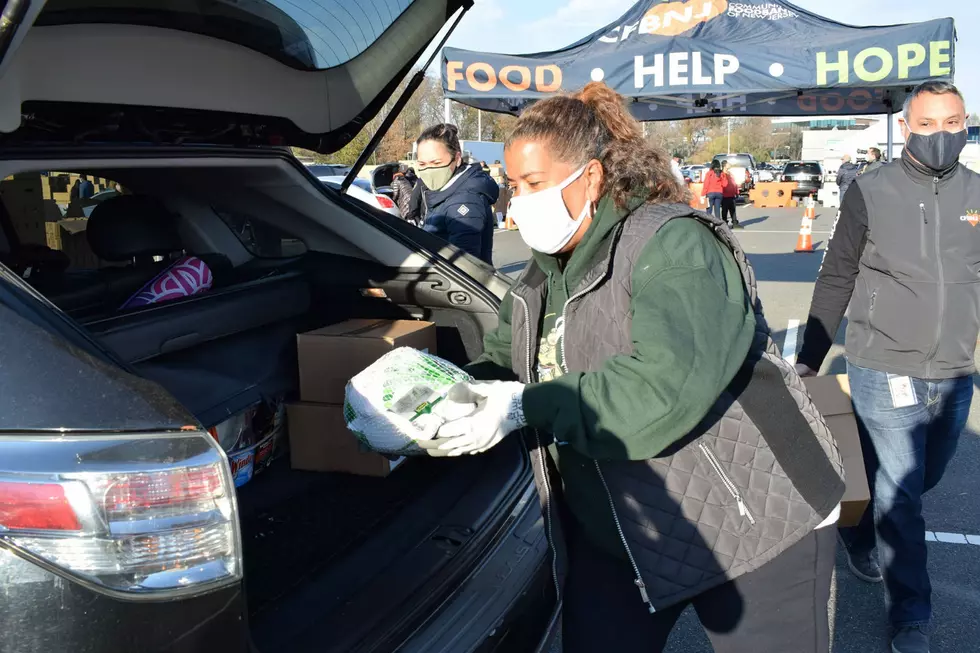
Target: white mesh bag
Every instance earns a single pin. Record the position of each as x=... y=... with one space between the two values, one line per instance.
x=399 y=400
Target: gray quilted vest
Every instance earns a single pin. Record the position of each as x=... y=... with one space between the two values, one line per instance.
x=759 y=472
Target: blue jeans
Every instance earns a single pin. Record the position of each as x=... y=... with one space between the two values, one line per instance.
x=714 y=204
x=906 y=451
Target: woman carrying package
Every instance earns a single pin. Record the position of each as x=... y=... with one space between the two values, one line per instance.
x=677 y=451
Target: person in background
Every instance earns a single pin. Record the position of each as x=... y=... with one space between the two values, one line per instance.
x=412 y=178
x=714 y=188
x=485 y=167
x=457 y=200
x=874 y=160
x=632 y=335
x=729 y=196
x=904 y=256
x=846 y=175
x=86 y=188
x=402 y=190
x=675 y=167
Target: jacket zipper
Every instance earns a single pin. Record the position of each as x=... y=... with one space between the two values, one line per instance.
x=732 y=488
x=942 y=281
x=922 y=230
x=638 y=581
x=544 y=469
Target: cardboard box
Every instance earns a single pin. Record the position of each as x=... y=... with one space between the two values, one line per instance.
x=330 y=356
x=319 y=441
x=832 y=397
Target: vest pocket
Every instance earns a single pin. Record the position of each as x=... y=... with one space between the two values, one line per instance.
x=736 y=494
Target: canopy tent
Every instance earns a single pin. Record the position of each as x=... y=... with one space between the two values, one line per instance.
x=700 y=58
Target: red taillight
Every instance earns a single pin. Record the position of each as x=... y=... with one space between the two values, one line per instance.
x=156 y=519
x=385 y=202
x=136 y=493
x=36 y=506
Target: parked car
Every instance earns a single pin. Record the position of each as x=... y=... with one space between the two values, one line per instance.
x=766 y=172
x=360 y=189
x=121 y=526
x=742 y=169
x=808 y=176
x=694 y=172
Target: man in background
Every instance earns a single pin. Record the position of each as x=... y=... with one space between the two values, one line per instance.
x=675 y=166
x=874 y=160
x=904 y=255
x=846 y=175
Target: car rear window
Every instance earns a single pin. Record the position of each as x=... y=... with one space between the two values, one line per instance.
x=805 y=168
x=304 y=34
x=735 y=160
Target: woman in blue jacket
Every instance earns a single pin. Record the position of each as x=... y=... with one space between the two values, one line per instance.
x=458 y=199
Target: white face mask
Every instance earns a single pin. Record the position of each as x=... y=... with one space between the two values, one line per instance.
x=543 y=220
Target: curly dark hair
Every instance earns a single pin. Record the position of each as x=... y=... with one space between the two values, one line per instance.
x=595 y=124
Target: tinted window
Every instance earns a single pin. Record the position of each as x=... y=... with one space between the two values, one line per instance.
x=310 y=34
x=805 y=168
x=735 y=160
x=45 y=220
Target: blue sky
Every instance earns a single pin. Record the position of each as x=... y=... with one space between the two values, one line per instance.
x=521 y=26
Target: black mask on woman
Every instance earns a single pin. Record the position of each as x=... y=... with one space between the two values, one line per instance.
x=937 y=151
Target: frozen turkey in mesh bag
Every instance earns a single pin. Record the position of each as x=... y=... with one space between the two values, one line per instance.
x=401 y=399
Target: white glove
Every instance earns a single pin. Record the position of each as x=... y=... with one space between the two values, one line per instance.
x=499 y=412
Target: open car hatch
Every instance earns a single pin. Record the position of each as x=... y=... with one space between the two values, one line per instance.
x=308 y=73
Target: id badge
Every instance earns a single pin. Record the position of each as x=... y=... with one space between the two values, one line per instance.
x=903 y=392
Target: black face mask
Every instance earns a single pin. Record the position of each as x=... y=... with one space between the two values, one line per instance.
x=938 y=151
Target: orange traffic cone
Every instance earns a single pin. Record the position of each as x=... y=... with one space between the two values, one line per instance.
x=804 y=243
x=811 y=208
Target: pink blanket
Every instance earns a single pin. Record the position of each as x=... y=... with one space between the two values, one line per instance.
x=184 y=278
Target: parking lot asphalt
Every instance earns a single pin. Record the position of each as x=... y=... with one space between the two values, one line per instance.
x=786 y=282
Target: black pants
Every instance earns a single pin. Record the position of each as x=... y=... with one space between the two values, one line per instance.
x=728 y=210
x=779 y=608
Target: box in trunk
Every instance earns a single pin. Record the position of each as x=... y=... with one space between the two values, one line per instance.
x=330 y=356
x=832 y=397
x=319 y=441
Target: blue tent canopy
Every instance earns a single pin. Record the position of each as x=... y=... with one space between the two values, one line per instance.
x=678 y=59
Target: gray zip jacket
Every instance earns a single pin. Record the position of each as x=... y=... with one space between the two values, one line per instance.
x=756 y=475
x=905 y=253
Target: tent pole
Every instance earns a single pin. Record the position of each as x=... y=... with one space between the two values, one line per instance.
x=891 y=130
x=447 y=112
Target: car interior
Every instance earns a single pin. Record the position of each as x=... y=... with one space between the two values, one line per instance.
x=325 y=554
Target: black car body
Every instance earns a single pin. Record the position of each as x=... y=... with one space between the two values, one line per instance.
x=121 y=527
x=808 y=176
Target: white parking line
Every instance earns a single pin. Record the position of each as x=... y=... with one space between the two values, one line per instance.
x=789 y=345
x=952 y=538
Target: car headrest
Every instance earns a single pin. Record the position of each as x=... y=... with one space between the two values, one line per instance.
x=129 y=226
